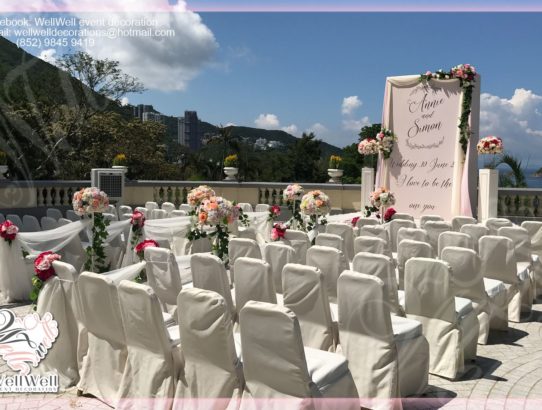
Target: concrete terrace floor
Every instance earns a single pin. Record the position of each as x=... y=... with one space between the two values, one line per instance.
x=506 y=375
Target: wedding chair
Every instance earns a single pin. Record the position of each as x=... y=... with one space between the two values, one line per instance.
x=239 y=247
x=383 y=268
x=53 y=213
x=109 y=216
x=106 y=358
x=168 y=207
x=475 y=231
x=151 y=346
x=277 y=366
x=399 y=215
x=394 y=226
x=300 y=241
x=125 y=217
x=331 y=240
x=58 y=297
x=2 y=218
x=533 y=227
x=163 y=277
x=277 y=255
x=74 y=253
x=387 y=355
x=488 y=296
x=247 y=233
x=365 y=222
x=499 y=262
x=493 y=224
x=372 y=245
x=410 y=249
x=30 y=224
x=144 y=211
x=72 y=216
x=15 y=219
x=434 y=229
x=213 y=371
x=150 y=205
x=209 y=272
x=346 y=232
x=450 y=323
x=453 y=238
x=414 y=234
x=331 y=263
x=524 y=255
x=306 y=295
x=48 y=223
x=245 y=206
x=176 y=213
x=63 y=221
x=158 y=214
x=262 y=208
x=426 y=218
x=378 y=231
x=185 y=207
x=535 y=237
x=112 y=209
x=125 y=209
x=459 y=221
x=253 y=281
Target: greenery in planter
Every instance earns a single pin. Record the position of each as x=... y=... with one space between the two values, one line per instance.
x=335 y=162
x=231 y=161
x=120 y=160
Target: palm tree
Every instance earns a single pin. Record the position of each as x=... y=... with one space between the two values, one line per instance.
x=516 y=177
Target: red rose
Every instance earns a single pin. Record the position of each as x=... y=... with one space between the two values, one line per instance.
x=389 y=214
x=275 y=210
x=8 y=230
x=43 y=265
x=140 y=247
x=355 y=220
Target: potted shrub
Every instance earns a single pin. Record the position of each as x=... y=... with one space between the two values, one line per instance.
x=335 y=170
x=120 y=161
x=231 y=167
x=3 y=164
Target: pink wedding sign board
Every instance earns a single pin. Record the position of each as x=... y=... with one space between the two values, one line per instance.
x=427 y=170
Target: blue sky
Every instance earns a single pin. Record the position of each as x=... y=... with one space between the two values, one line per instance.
x=295 y=69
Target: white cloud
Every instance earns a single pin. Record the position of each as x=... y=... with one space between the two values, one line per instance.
x=267 y=121
x=350 y=104
x=230 y=124
x=124 y=101
x=318 y=129
x=356 y=125
x=166 y=62
x=291 y=129
x=517 y=120
x=48 y=56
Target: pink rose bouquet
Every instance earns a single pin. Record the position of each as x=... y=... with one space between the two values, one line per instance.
x=8 y=231
x=90 y=201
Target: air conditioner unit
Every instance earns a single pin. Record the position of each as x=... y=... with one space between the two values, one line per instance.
x=109 y=180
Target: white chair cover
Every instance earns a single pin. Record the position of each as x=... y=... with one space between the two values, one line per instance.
x=168 y=207
x=521 y=239
x=434 y=229
x=372 y=245
x=158 y=214
x=54 y=213
x=48 y=223
x=52 y=240
x=332 y=240
x=150 y=205
x=276 y=366
x=106 y=359
x=346 y=232
x=278 y=254
x=468 y=282
x=63 y=221
x=173 y=230
x=176 y=213
x=305 y=294
x=248 y=233
x=163 y=277
x=239 y=247
x=212 y=370
x=259 y=222
x=475 y=231
x=377 y=231
x=535 y=236
x=395 y=353
x=16 y=219
x=410 y=249
x=449 y=238
x=72 y=216
x=262 y=208
x=15 y=282
x=144 y=211
x=394 y=226
x=426 y=218
x=208 y=272
x=124 y=209
x=459 y=221
x=126 y=273
x=399 y=215
x=493 y=224
x=533 y=227
x=364 y=222
x=185 y=207
x=414 y=234
x=246 y=207
x=150 y=346
x=382 y=267
x=124 y=217
x=298 y=240
x=112 y=209
x=331 y=263
x=253 y=281
x=450 y=324
x=499 y=262
x=30 y=224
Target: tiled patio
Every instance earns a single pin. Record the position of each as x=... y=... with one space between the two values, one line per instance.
x=506 y=375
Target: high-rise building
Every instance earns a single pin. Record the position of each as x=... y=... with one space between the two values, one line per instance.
x=190 y=133
x=140 y=109
x=153 y=116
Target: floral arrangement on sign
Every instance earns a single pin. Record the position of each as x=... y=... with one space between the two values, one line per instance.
x=315 y=204
x=231 y=161
x=466 y=74
x=335 y=162
x=8 y=231
x=368 y=146
x=385 y=140
x=120 y=160
x=43 y=271
x=140 y=252
x=278 y=231
x=93 y=203
x=292 y=196
x=274 y=213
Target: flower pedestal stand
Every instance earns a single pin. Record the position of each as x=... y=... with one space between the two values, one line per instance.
x=488 y=191
x=367 y=185
x=335 y=175
x=231 y=173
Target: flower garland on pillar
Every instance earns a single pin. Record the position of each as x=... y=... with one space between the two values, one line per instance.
x=92 y=202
